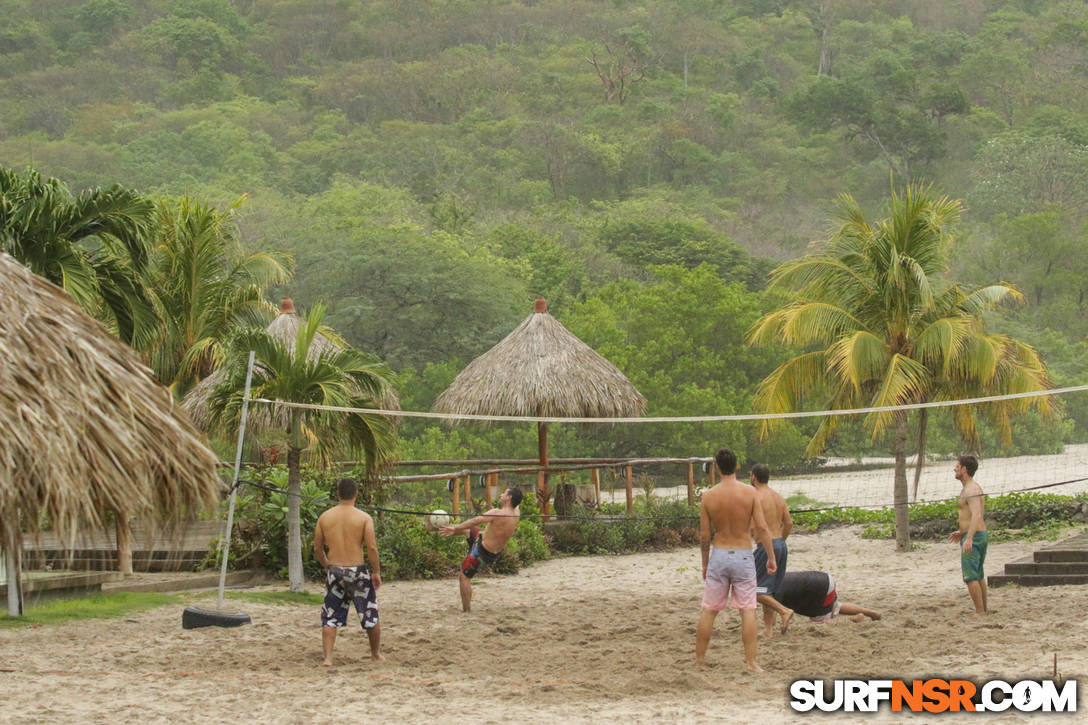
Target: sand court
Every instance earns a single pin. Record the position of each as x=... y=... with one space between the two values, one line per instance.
x=581 y=638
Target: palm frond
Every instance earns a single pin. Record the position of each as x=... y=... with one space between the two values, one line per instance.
x=906 y=381
x=858 y=359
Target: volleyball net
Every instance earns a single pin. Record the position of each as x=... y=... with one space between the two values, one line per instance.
x=1043 y=453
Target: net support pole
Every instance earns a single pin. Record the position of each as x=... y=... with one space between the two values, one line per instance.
x=630 y=499
x=12 y=572
x=691 y=483
x=234 y=483
x=595 y=476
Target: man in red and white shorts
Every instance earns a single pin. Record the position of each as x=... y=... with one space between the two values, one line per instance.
x=732 y=511
x=483 y=547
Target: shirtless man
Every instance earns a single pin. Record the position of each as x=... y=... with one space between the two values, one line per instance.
x=812 y=594
x=972 y=531
x=731 y=511
x=344 y=529
x=500 y=524
x=779 y=523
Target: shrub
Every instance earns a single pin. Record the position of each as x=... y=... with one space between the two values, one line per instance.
x=409 y=551
x=259 y=538
x=1035 y=514
x=654 y=523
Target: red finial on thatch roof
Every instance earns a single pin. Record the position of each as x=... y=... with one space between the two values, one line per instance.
x=541 y=305
x=287 y=307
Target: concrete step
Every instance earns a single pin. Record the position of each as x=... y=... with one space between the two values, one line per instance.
x=184 y=581
x=106 y=555
x=107 y=561
x=1037 y=580
x=145 y=537
x=182 y=565
x=1030 y=566
x=1060 y=555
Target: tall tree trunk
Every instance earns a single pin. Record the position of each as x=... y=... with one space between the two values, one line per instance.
x=923 y=421
x=294 y=534
x=124 y=542
x=825 y=53
x=902 y=510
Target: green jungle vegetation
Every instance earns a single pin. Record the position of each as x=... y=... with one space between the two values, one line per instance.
x=425 y=168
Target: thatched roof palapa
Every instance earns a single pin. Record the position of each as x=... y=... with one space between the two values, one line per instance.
x=542 y=369
x=84 y=427
x=284 y=327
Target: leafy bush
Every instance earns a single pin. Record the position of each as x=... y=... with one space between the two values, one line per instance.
x=654 y=524
x=1033 y=513
x=529 y=536
x=409 y=551
x=259 y=539
x=406 y=548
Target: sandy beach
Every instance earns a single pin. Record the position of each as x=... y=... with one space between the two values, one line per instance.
x=873 y=487
x=582 y=639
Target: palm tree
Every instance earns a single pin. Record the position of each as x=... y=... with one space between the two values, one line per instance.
x=204 y=287
x=883 y=328
x=317 y=374
x=92 y=245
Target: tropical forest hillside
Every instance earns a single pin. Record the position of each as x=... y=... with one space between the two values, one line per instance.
x=431 y=166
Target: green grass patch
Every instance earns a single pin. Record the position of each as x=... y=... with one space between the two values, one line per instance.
x=94 y=606
x=278 y=597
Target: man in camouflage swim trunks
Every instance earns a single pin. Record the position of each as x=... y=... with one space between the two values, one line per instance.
x=483 y=547
x=344 y=529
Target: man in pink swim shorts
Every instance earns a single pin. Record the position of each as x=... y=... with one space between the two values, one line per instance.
x=730 y=510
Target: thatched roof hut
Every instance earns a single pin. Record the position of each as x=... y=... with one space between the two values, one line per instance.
x=84 y=427
x=285 y=327
x=542 y=369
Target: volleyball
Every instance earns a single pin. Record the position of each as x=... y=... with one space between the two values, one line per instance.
x=436 y=519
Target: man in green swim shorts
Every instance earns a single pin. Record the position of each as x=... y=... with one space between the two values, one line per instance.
x=972 y=531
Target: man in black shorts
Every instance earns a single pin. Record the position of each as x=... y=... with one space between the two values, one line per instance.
x=812 y=594
x=779 y=524
x=500 y=525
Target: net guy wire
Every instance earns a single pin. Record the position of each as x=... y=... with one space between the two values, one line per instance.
x=622 y=517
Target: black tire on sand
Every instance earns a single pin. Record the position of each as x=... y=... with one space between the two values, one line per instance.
x=193 y=617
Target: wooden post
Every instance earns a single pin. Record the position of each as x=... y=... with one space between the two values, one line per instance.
x=542 y=491
x=456 y=496
x=630 y=499
x=124 y=542
x=691 y=483
x=12 y=551
x=492 y=479
x=468 y=489
x=595 y=476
